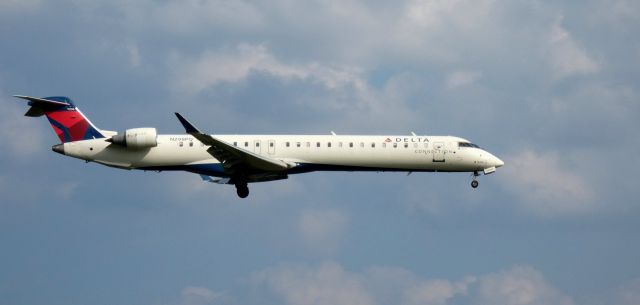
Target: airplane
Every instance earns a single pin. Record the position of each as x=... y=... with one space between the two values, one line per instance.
x=242 y=159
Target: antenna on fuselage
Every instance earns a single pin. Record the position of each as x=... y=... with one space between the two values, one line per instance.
x=413 y=134
x=333 y=133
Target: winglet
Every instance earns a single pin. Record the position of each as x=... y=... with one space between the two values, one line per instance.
x=188 y=127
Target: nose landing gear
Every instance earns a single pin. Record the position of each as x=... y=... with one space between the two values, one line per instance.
x=474 y=182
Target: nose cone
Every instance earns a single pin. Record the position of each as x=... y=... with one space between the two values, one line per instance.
x=59 y=148
x=497 y=162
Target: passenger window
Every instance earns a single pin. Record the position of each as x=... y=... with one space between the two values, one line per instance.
x=235 y=143
x=257 y=144
x=270 y=144
x=350 y=144
x=318 y=144
x=190 y=144
x=373 y=145
x=246 y=144
x=287 y=144
x=406 y=145
x=181 y=144
x=395 y=145
x=329 y=144
x=297 y=144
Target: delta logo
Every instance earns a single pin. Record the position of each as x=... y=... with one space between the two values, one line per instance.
x=387 y=140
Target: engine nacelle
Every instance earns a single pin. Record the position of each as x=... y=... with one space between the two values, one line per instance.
x=136 y=138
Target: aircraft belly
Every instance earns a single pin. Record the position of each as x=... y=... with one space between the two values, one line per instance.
x=162 y=155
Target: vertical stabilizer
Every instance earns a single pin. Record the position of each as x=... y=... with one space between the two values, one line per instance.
x=67 y=121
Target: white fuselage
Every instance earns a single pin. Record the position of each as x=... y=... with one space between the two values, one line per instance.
x=304 y=153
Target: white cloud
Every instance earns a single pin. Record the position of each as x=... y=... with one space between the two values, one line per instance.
x=544 y=185
x=436 y=292
x=437 y=14
x=521 y=285
x=347 y=87
x=134 y=55
x=323 y=230
x=462 y=78
x=194 y=295
x=566 y=57
x=213 y=68
x=329 y=283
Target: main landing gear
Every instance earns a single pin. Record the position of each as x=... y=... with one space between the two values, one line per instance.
x=242 y=189
x=474 y=182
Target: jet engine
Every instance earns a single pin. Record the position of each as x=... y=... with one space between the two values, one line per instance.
x=136 y=138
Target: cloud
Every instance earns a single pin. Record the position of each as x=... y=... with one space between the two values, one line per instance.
x=462 y=78
x=436 y=292
x=435 y=15
x=333 y=88
x=66 y=189
x=194 y=295
x=213 y=68
x=629 y=293
x=22 y=137
x=566 y=57
x=521 y=285
x=188 y=17
x=18 y=5
x=544 y=185
x=323 y=230
x=329 y=283
x=134 y=55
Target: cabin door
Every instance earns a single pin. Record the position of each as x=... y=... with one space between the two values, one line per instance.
x=438 y=152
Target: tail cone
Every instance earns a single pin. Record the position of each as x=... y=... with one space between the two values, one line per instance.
x=59 y=148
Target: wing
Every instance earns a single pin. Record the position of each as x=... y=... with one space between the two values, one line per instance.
x=234 y=159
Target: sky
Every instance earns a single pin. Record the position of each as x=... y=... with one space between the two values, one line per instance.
x=550 y=87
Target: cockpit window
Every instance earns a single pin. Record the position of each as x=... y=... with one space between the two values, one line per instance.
x=467 y=144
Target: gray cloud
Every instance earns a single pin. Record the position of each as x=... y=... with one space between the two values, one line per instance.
x=322 y=230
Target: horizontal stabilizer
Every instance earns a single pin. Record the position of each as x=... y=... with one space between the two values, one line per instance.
x=39 y=106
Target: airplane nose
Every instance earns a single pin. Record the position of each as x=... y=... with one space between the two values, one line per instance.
x=498 y=162
x=59 y=148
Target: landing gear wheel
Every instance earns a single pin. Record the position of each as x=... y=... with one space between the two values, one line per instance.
x=474 y=183
x=242 y=190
